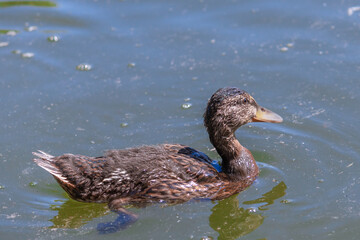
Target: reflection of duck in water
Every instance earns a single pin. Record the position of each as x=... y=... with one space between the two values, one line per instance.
x=168 y=172
x=228 y=217
x=232 y=221
x=73 y=214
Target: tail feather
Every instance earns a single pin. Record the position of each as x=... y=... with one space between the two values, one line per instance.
x=43 y=155
x=46 y=161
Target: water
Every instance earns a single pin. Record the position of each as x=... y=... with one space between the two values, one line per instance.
x=85 y=76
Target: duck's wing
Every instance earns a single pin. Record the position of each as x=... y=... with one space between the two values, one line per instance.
x=196 y=164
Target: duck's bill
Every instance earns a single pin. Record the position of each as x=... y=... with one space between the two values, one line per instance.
x=265 y=115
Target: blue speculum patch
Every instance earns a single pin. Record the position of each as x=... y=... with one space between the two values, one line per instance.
x=202 y=155
x=216 y=165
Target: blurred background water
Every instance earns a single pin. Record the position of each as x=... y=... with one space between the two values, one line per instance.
x=84 y=76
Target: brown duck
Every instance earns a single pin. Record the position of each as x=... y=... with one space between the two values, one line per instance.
x=170 y=173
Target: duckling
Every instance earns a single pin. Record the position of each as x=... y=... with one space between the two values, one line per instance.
x=171 y=173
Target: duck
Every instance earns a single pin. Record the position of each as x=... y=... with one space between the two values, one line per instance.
x=167 y=173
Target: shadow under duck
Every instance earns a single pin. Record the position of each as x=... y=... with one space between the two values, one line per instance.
x=170 y=173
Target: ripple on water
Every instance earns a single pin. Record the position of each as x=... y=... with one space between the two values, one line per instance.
x=131 y=65
x=186 y=105
x=27 y=55
x=53 y=38
x=8 y=32
x=124 y=124
x=31 y=28
x=84 y=67
x=27 y=3
x=16 y=51
x=270 y=170
x=4 y=44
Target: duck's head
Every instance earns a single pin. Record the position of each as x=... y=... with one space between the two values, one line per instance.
x=230 y=108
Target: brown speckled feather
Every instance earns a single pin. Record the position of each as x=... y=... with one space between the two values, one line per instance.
x=170 y=173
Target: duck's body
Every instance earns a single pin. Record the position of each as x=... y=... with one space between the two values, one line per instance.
x=168 y=172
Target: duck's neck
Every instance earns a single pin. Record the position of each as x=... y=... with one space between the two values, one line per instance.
x=237 y=162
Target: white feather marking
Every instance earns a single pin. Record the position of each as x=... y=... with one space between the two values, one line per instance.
x=119 y=175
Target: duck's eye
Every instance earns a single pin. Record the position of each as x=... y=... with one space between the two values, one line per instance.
x=245 y=100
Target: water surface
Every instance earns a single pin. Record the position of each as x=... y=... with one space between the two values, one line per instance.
x=85 y=76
